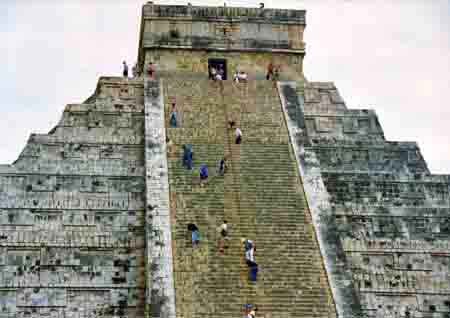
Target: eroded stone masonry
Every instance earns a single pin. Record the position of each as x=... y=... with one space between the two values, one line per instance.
x=94 y=214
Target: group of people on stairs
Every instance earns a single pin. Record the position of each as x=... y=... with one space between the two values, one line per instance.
x=135 y=70
x=217 y=73
x=249 y=254
x=248 y=245
x=203 y=169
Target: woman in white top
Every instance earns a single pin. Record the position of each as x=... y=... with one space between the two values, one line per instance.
x=238 y=134
x=223 y=230
x=242 y=76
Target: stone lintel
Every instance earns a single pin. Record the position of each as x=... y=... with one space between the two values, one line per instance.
x=223 y=49
x=225 y=14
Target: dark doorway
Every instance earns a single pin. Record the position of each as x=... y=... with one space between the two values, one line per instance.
x=220 y=65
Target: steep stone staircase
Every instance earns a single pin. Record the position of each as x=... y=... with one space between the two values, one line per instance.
x=260 y=196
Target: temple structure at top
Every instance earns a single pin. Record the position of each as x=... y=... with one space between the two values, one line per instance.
x=190 y=38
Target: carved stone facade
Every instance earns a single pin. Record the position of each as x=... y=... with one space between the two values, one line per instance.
x=381 y=217
x=93 y=215
x=72 y=212
x=183 y=38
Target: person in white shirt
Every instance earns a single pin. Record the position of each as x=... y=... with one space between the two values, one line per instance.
x=252 y=313
x=213 y=73
x=249 y=248
x=236 y=76
x=242 y=76
x=223 y=230
x=238 y=134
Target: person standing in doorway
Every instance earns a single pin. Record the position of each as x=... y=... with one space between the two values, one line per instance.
x=212 y=73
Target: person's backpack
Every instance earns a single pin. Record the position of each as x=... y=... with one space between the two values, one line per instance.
x=248 y=245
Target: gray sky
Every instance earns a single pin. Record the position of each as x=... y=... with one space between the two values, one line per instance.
x=392 y=56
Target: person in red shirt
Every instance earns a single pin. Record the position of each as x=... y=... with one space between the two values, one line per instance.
x=151 y=70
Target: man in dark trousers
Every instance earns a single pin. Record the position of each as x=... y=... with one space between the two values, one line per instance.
x=125 y=69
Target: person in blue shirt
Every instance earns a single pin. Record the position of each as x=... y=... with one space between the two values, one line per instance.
x=173 y=119
x=195 y=234
x=187 y=156
x=173 y=114
x=203 y=173
x=249 y=248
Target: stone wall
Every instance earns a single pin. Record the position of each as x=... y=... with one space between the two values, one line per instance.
x=382 y=218
x=230 y=28
x=255 y=64
x=72 y=212
x=182 y=38
x=161 y=293
x=260 y=196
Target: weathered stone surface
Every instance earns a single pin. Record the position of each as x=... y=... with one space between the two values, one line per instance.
x=94 y=214
x=161 y=294
x=182 y=38
x=260 y=196
x=388 y=216
x=71 y=212
x=222 y=28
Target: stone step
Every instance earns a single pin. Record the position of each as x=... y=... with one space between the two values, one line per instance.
x=260 y=196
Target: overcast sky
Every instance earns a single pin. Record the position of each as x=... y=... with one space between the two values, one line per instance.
x=392 y=56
